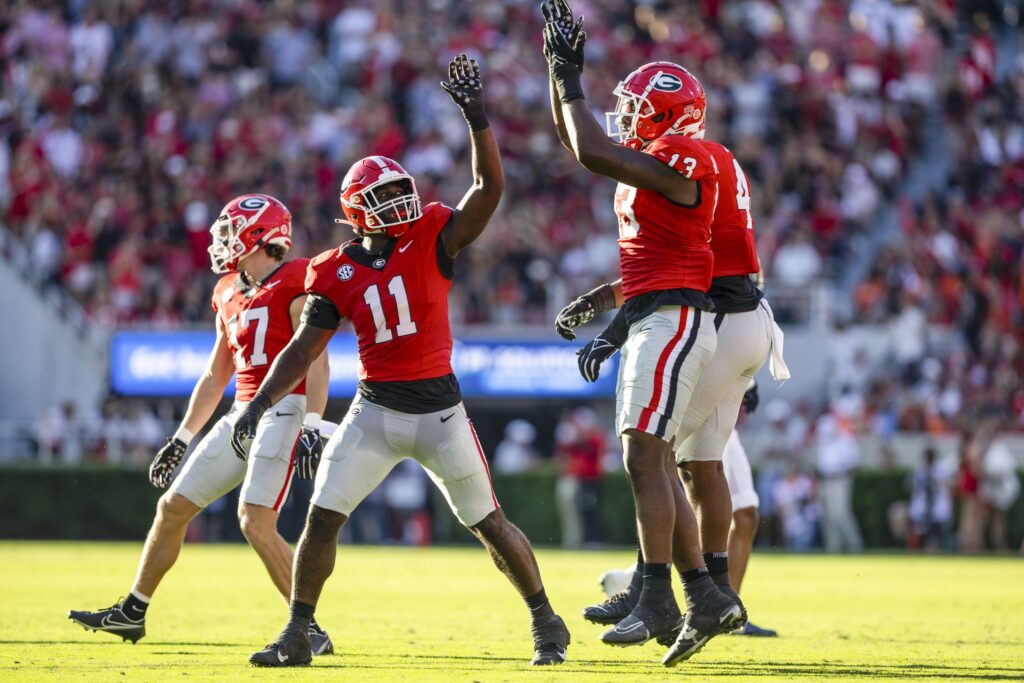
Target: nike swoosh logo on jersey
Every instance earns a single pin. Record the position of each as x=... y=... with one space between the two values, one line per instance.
x=401 y=250
x=271 y=285
x=280 y=414
x=445 y=419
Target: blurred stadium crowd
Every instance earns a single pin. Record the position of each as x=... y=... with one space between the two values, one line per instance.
x=883 y=141
x=126 y=126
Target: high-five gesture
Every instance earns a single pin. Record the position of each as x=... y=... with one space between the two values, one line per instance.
x=558 y=15
x=466 y=88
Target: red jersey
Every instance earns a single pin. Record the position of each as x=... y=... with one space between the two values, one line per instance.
x=662 y=244
x=732 y=229
x=258 y=323
x=397 y=300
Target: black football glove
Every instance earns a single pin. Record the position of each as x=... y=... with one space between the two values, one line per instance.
x=308 y=452
x=244 y=430
x=593 y=355
x=579 y=312
x=751 y=399
x=167 y=458
x=559 y=14
x=466 y=88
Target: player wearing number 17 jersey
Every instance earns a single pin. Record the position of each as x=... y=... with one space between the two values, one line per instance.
x=392 y=283
x=257 y=303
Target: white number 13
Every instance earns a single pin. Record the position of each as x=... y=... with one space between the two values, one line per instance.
x=405 y=326
x=690 y=162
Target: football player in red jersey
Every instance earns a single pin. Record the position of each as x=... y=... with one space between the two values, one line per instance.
x=747 y=335
x=392 y=284
x=665 y=201
x=258 y=302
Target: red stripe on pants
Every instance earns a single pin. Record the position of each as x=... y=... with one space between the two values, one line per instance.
x=483 y=459
x=659 y=372
x=287 y=477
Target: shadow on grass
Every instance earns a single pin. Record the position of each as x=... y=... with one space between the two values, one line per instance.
x=789 y=670
x=149 y=645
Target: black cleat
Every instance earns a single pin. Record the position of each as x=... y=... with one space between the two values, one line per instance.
x=292 y=648
x=730 y=593
x=668 y=639
x=614 y=609
x=644 y=623
x=710 y=614
x=749 y=629
x=550 y=641
x=319 y=642
x=112 y=620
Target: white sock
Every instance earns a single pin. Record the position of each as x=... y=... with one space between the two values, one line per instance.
x=139 y=596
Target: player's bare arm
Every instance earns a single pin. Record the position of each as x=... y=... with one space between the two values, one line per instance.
x=285 y=374
x=319 y=374
x=478 y=204
x=209 y=389
x=593 y=148
x=206 y=394
x=310 y=445
x=558 y=12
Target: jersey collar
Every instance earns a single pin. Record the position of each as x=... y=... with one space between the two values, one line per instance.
x=355 y=251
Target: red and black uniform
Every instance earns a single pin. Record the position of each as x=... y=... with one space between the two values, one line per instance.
x=664 y=247
x=732 y=237
x=257 y=321
x=397 y=301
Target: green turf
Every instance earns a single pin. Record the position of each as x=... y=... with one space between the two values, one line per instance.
x=400 y=614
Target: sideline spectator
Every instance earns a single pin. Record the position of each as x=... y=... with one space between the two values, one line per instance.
x=969 y=535
x=998 y=489
x=516 y=453
x=838 y=455
x=579 y=449
x=931 y=503
x=793 y=498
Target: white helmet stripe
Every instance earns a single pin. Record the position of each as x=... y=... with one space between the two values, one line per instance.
x=383 y=164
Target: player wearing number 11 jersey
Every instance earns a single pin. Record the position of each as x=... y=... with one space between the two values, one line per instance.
x=392 y=284
x=258 y=302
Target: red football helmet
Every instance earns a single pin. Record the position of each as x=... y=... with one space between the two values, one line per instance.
x=660 y=98
x=371 y=212
x=246 y=225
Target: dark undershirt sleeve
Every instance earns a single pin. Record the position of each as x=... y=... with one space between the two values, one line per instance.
x=445 y=263
x=319 y=311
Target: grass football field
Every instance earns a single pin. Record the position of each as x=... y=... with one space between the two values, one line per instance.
x=411 y=615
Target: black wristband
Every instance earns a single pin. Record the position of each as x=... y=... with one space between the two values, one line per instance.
x=567 y=82
x=260 y=402
x=476 y=118
x=601 y=298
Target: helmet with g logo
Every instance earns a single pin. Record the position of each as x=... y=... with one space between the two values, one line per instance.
x=369 y=210
x=246 y=225
x=660 y=98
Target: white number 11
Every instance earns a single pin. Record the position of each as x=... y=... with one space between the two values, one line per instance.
x=406 y=325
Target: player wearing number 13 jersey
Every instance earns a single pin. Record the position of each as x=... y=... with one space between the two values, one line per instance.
x=258 y=302
x=665 y=202
x=392 y=284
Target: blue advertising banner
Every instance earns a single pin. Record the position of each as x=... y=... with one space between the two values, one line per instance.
x=169 y=363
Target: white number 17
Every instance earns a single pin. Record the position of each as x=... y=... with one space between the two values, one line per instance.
x=259 y=356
